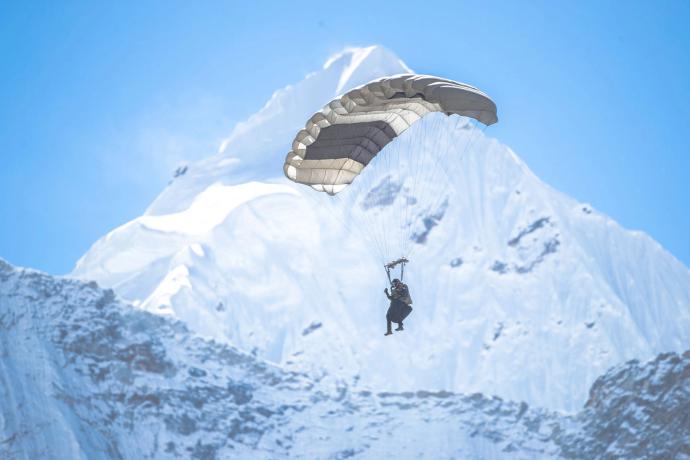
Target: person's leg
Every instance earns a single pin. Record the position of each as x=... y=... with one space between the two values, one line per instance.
x=403 y=311
x=388 y=321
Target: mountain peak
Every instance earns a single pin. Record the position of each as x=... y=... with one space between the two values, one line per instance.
x=273 y=127
x=256 y=147
x=360 y=65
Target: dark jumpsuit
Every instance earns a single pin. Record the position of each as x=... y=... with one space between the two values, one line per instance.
x=398 y=309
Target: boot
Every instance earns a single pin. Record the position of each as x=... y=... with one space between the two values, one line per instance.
x=400 y=327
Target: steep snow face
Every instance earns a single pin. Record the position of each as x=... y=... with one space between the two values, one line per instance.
x=84 y=375
x=519 y=290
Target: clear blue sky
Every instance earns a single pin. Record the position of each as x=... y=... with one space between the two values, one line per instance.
x=99 y=101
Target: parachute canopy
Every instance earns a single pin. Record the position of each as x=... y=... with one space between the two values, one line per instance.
x=340 y=140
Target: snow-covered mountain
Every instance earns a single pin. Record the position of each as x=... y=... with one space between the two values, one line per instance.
x=84 y=375
x=520 y=291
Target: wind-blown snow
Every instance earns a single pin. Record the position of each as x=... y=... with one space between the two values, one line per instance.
x=548 y=295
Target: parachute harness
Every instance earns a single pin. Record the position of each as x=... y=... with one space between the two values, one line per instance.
x=391 y=265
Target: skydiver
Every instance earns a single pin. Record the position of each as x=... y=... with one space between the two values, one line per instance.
x=400 y=305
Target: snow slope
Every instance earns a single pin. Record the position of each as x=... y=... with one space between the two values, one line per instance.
x=84 y=375
x=520 y=291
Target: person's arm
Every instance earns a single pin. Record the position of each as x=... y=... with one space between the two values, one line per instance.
x=387 y=294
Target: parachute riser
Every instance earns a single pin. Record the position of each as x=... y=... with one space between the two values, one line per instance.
x=391 y=265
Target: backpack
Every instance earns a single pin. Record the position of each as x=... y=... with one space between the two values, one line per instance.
x=404 y=294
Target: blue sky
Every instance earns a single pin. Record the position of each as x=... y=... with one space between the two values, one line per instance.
x=99 y=102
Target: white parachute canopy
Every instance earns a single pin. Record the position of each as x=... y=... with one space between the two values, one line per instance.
x=341 y=139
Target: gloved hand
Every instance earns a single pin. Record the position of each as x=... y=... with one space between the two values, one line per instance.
x=386 y=290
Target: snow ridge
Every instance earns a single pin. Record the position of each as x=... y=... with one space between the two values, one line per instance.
x=85 y=375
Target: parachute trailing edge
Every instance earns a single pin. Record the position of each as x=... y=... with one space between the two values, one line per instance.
x=340 y=140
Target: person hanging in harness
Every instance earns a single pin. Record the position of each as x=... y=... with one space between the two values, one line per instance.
x=400 y=306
